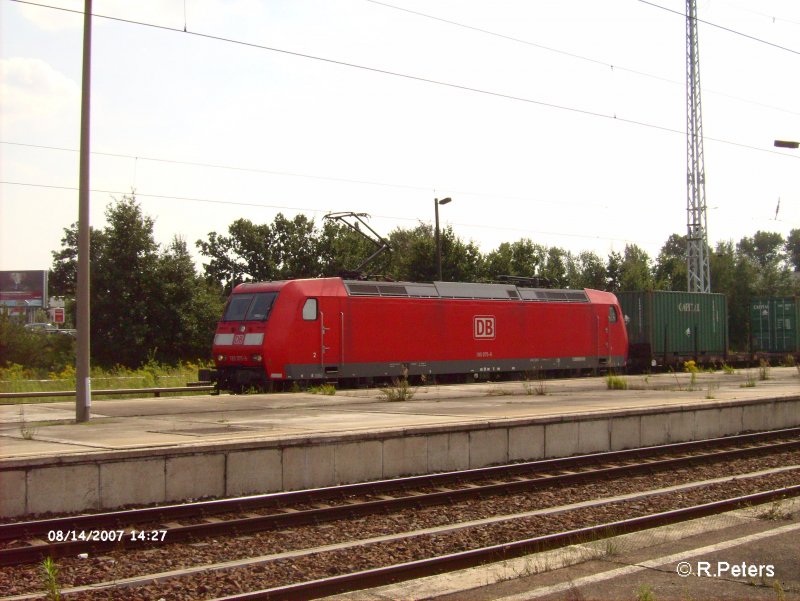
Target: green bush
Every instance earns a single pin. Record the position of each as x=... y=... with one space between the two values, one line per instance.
x=37 y=352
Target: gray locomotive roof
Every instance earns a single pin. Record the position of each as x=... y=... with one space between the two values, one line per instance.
x=463 y=290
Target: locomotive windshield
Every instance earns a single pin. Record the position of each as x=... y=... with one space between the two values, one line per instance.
x=249 y=307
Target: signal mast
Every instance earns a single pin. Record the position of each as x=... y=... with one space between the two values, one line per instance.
x=699 y=271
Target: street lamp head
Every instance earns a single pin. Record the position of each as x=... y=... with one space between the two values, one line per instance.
x=444 y=201
x=786 y=144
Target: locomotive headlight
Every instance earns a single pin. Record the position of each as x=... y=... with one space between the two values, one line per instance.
x=220 y=358
x=257 y=358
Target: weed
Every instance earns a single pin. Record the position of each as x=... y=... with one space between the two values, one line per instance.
x=326 y=389
x=611 y=547
x=729 y=371
x=645 y=593
x=537 y=388
x=710 y=390
x=400 y=390
x=690 y=366
x=776 y=512
x=779 y=594
x=25 y=430
x=749 y=382
x=616 y=382
x=790 y=361
x=50 y=579
x=763 y=370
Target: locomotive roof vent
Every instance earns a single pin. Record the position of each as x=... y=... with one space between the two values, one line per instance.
x=464 y=290
x=467 y=290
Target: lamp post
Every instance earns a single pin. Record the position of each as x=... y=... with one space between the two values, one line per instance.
x=436 y=203
x=786 y=144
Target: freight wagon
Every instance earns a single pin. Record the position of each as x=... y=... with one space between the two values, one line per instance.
x=774 y=325
x=667 y=328
x=274 y=333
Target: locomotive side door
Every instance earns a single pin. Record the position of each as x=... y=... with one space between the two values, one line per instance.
x=330 y=335
x=603 y=334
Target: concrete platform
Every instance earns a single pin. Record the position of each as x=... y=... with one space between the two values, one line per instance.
x=169 y=449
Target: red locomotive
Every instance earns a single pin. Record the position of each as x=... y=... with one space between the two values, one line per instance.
x=348 y=330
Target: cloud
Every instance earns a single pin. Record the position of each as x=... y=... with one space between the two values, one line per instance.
x=49 y=19
x=32 y=90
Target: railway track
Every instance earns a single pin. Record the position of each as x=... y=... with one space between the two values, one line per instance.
x=317 y=507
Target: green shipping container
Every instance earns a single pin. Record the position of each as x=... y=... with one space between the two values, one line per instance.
x=666 y=327
x=773 y=324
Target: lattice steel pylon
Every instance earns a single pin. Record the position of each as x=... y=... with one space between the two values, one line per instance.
x=699 y=271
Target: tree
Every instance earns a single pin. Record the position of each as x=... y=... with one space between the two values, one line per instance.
x=146 y=304
x=522 y=258
x=557 y=266
x=284 y=249
x=184 y=310
x=766 y=248
x=793 y=249
x=671 y=271
x=589 y=272
x=767 y=252
x=614 y=272
x=634 y=270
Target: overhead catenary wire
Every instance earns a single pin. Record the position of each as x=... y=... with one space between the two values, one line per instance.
x=723 y=28
x=574 y=55
x=407 y=76
x=345 y=180
x=323 y=211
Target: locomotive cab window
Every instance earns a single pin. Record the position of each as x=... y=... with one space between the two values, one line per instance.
x=310 y=309
x=612 y=315
x=249 y=307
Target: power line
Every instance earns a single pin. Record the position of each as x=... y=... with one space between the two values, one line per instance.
x=573 y=55
x=225 y=167
x=723 y=28
x=395 y=185
x=300 y=175
x=450 y=85
x=315 y=211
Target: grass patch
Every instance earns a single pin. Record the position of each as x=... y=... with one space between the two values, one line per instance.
x=749 y=381
x=645 y=593
x=400 y=390
x=534 y=385
x=763 y=370
x=16 y=378
x=614 y=382
x=325 y=389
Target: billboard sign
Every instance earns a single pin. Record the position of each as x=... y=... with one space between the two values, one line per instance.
x=23 y=289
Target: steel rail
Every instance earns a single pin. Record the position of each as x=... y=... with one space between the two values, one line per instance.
x=282 y=519
x=129 y=517
x=468 y=559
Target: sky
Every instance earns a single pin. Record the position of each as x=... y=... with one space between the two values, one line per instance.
x=562 y=121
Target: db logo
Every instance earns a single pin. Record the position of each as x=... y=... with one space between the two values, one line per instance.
x=483 y=326
x=238 y=339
